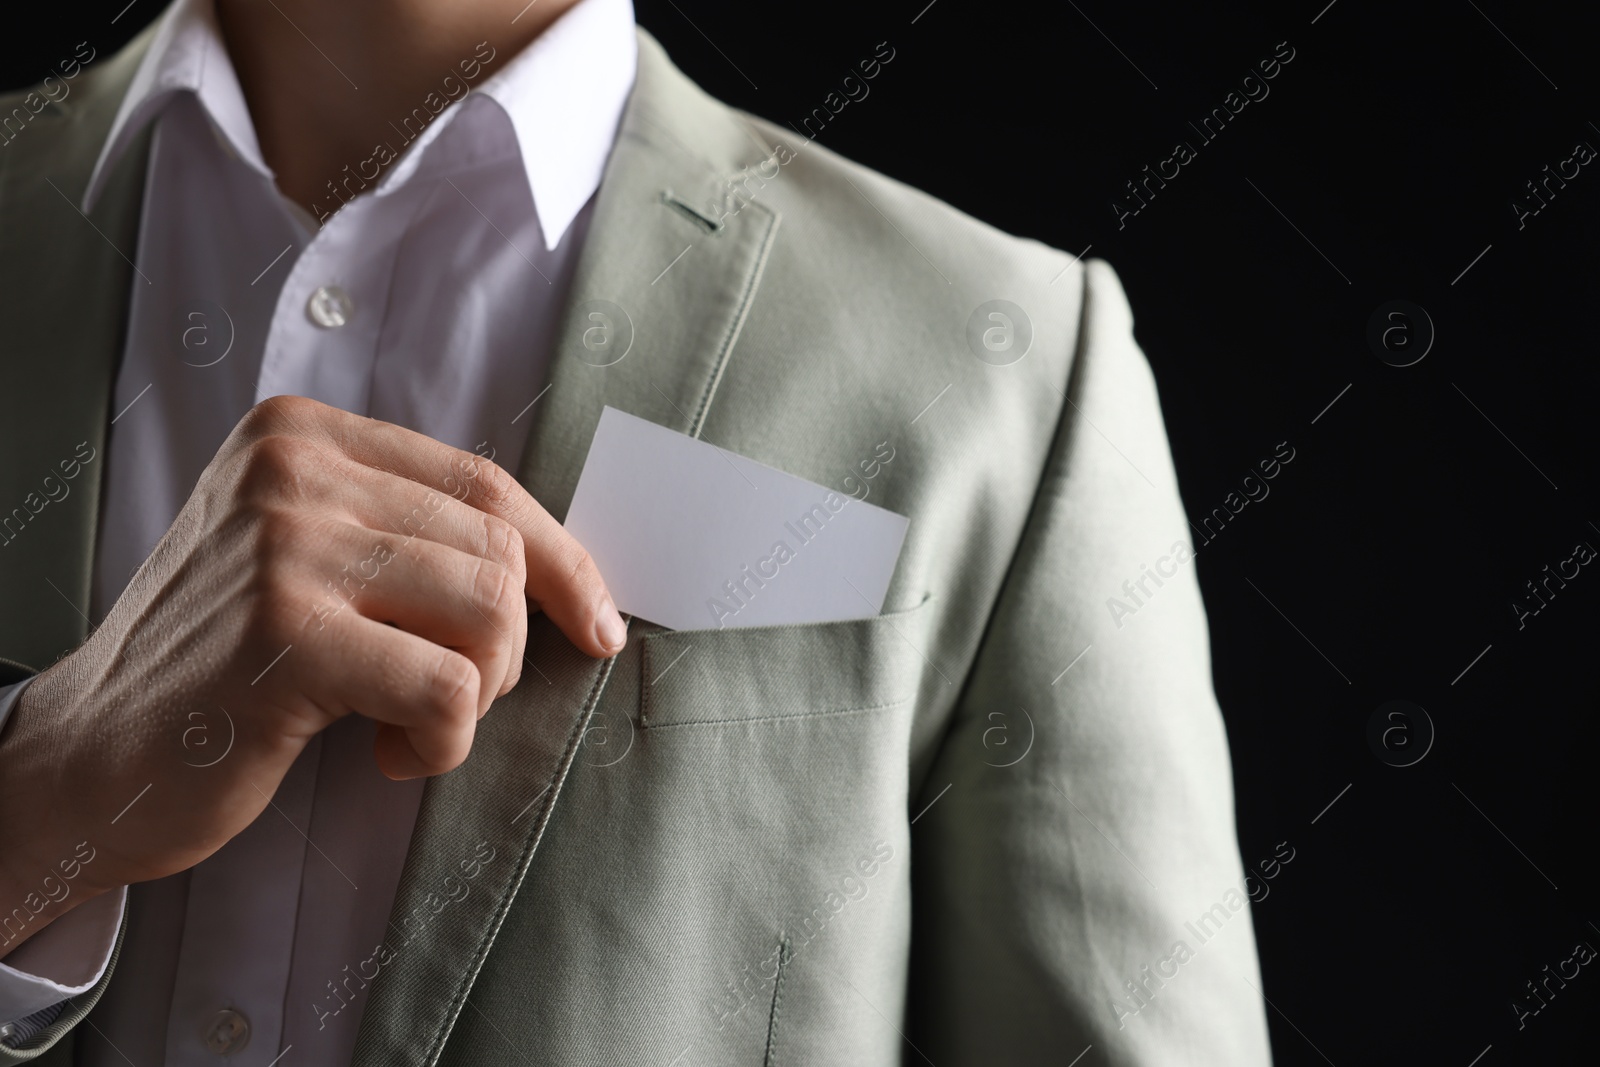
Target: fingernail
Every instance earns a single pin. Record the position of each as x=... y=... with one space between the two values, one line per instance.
x=612 y=631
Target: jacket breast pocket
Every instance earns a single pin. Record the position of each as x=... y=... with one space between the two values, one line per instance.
x=706 y=678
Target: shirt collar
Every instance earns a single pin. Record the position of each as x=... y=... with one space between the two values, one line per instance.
x=564 y=95
x=187 y=54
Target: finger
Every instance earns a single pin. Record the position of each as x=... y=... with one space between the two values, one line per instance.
x=395 y=755
x=427 y=692
x=412 y=512
x=561 y=577
x=309 y=474
x=454 y=599
x=409 y=516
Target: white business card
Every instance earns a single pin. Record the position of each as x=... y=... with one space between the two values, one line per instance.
x=691 y=536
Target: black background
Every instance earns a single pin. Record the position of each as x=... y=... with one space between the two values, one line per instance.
x=1387 y=555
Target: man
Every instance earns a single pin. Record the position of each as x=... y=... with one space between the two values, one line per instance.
x=311 y=315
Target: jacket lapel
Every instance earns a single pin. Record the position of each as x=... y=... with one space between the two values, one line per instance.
x=658 y=300
x=64 y=284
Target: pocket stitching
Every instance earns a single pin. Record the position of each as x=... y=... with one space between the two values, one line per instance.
x=647 y=656
x=927 y=601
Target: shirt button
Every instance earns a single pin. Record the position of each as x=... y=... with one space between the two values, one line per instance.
x=330 y=307
x=227 y=1032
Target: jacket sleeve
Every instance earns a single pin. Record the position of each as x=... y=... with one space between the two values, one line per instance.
x=47 y=1033
x=1079 y=885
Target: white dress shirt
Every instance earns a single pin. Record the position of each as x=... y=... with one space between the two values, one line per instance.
x=428 y=300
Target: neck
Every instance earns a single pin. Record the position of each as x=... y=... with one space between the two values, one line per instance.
x=326 y=83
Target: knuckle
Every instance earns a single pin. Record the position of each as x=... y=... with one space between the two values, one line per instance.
x=491 y=587
x=452 y=672
x=502 y=543
x=452 y=689
x=513 y=676
x=276 y=466
x=276 y=414
x=259 y=421
x=495 y=488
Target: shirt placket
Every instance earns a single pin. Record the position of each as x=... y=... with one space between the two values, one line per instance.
x=323 y=340
x=238 y=929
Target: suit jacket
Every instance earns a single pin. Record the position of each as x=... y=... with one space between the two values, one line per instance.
x=978 y=828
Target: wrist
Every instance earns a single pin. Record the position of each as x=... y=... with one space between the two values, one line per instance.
x=30 y=900
x=44 y=861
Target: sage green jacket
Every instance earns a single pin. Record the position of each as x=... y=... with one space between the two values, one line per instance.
x=975 y=829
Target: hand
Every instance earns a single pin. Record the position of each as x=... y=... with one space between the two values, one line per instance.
x=326 y=564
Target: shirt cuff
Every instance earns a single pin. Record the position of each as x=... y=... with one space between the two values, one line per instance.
x=64 y=959
x=9 y=695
